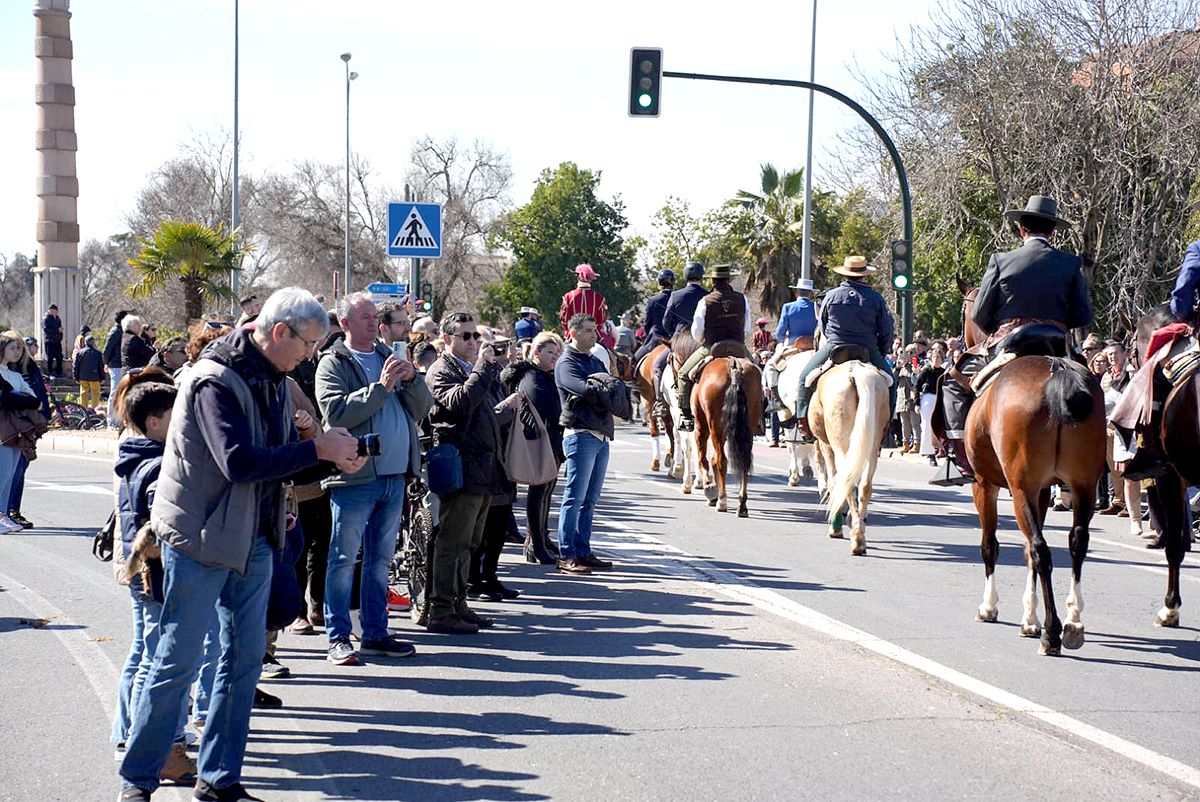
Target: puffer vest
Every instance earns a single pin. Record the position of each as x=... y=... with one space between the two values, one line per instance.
x=196 y=509
x=724 y=316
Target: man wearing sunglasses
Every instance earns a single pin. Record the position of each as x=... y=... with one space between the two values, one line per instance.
x=465 y=382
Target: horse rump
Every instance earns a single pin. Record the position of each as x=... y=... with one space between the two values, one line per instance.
x=1068 y=393
x=739 y=440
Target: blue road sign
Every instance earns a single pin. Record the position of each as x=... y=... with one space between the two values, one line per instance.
x=415 y=229
x=379 y=288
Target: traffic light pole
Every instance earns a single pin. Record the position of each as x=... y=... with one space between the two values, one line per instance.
x=903 y=297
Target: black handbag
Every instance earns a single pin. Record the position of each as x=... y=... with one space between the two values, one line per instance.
x=102 y=543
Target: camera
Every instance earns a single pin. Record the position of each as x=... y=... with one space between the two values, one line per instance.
x=499 y=349
x=368 y=445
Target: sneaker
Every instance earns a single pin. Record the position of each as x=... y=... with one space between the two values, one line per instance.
x=18 y=518
x=573 y=566
x=341 y=653
x=179 y=768
x=8 y=525
x=134 y=793
x=592 y=561
x=266 y=701
x=388 y=647
x=301 y=626
x=273 y=669
x=398 y=602
x=230 y=793
x=119 y=752
x=471 y=617
x=452 y=625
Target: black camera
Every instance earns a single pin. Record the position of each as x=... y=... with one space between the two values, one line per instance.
x=499 y=349
x=368 y=445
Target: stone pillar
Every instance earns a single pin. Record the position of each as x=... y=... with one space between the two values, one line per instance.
x=56 y=278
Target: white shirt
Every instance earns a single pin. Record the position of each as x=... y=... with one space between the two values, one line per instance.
x=698 y=320
x=16 y=381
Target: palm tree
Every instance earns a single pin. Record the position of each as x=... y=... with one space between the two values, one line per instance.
x=200 y=257
x=770 y=232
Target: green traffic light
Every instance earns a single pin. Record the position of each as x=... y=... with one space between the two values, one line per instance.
x=644 y=100
x=900 y=281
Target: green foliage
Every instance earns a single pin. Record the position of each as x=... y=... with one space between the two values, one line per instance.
x=564 y=224
x=197 y=256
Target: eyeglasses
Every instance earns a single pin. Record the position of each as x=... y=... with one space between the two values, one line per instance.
x=467 y=336
x=308 y=346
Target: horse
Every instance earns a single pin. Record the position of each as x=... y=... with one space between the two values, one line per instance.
x=1180 y=441
x=727 y=400
x=1039 y=422
x=800 y=455
x=848 y=416
x=644 y=381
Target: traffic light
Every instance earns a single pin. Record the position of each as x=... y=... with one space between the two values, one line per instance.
x=424 y=306
x=426 y=289
x=645 y=81
x=901 y=265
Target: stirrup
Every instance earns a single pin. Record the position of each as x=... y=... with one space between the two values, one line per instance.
x=951 y=476
x=687 y=423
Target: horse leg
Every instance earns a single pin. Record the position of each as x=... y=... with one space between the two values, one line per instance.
x=1025 y=501
x=1083 y=499
x=655 y=446
x=743 y=494
x=703 y=467
x=989 y=548
x=1168 y=496
x=720 y=466
x=807 y=453
x=858 y=532
x=793 y=463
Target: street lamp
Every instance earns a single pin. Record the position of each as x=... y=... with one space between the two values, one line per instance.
x=350 y=76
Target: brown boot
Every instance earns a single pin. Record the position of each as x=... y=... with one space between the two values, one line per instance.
x=179 y=769
x=1116 y=508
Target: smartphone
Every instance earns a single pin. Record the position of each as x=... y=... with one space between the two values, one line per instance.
x=400 y=350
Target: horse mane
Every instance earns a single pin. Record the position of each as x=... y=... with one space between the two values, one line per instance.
x=684 y=344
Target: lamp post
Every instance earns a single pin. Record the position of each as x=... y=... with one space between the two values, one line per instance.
x=234 y=278
x=806 y=242
x=350 y=76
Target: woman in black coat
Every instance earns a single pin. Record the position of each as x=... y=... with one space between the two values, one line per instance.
x=135 y=351
x=534 y=378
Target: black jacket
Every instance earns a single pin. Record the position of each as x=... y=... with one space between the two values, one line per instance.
x=11 y=401
x=584 y=404
x=135 y=351
x=538 y=386
x=89 y=365
x=855 y=314
x=1034 y=281
x=681 y=308
x=52 y=328
x=462 y=415
x=112 y=348
x=656 y=311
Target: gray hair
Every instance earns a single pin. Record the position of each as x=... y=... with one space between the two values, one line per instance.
x=294 y=307
x=348 y=301
x=130 y=320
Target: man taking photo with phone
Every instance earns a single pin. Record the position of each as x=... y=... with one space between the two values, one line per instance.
x=362 y=386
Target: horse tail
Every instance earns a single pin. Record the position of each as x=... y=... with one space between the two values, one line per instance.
x=1068 y=396
x=739 y=440
x=864 y=438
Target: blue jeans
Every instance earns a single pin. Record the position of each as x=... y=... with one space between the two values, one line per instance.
x=10 y=459
x=18 y=486
x=191 y=590
x=147 y=614
x=366 y=516
x=208 y=669
x=114 y=378
x=587 y=462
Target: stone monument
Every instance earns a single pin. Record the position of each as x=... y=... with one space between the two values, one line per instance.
x=56 y=278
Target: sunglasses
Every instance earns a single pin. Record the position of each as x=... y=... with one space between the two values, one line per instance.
x=467 y=336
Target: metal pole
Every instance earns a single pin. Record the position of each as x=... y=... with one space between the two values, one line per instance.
x=806 y=242
x=234 y=277
x=346 y=282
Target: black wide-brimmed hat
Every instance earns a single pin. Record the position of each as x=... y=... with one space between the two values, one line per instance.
x=722 y=271
x=1042 y=207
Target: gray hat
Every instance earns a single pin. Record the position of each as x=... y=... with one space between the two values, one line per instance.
x=1041 y=207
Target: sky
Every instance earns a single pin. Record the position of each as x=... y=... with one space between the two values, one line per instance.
x=544 y=81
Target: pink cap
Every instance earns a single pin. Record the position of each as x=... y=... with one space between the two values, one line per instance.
x=585 y=272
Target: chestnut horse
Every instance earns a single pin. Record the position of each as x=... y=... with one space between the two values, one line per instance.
x=727 y=401
x=1040 y=421
x=645 y=386
x=1180 y=441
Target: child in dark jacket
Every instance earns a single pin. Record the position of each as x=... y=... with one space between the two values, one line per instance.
x=139 y=458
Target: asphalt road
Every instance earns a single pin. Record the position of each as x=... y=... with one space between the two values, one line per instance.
x=722 y=659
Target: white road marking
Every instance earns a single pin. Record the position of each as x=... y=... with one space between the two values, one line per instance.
x=680 y=565
x=59 y=487
x=82 y=457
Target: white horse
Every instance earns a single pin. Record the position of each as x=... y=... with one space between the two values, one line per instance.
x=687 y=456
x=801 y=456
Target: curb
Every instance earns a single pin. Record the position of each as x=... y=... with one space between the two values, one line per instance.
x=96 y=444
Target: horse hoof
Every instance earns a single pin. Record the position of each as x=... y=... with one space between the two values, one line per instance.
x=808 y=473
x=712 y=502
x=835 y=533
x=669 y=461
x=1049 y=651
x=686 y=490
x=1031 y=631
x=858 y=549
x=677 y=472
x=987 y=616
x=1167 y=618
x=1072 y=637
x=793 y=480
x=743 y=513
x=710 y=493
x=654 y=465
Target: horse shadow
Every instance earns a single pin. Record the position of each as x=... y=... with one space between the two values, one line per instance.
x=1182 y=653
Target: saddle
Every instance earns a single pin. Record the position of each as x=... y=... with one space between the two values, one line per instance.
x=1031 y=339
x=720 y=350
x=840 y=354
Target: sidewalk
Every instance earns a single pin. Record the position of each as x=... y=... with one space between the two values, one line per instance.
x=98 y=442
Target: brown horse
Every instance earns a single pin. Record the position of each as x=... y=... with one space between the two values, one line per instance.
x=646 y=389
x=1180 y=439
x=727 y=400
x=1040 y=421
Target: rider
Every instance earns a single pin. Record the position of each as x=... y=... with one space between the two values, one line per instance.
x=625 y=336
x=1036 y=283
x=527 y=326
x=1183 y=297
x=797 y=324
x=681 y=308
x=583 y=300
x=721 y=317
x=851 y=314
x=656 y=307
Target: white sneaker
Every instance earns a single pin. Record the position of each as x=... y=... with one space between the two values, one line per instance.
x=8 y=525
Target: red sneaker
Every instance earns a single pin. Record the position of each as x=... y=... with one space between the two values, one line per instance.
x=398 y=602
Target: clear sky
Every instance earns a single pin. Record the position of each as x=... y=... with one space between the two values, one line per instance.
x=545 y=81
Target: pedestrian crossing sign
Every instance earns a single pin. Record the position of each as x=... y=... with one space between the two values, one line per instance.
x=415 y=230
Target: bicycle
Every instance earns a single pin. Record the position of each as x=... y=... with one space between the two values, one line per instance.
x=414 y=548
x=70 y=415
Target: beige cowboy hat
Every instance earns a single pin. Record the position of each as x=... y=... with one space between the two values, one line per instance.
x=854 y=267
x=1039 y=206
x=721 y=271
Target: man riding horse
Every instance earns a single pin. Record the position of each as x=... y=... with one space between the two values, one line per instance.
x=722 y=317
x=678 y=314
x=1035 y=283
x=852 y=314
x=583 y=300
x=652 y=318
x=796 y=329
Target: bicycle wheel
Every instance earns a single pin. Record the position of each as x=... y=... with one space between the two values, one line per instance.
x=73 y=420
x=421 y=537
